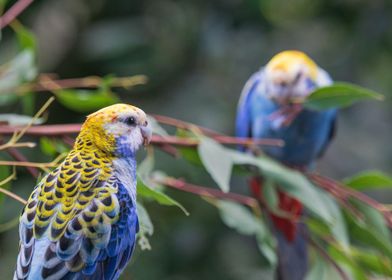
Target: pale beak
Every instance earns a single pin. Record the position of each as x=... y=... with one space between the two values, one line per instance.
x=146 y=133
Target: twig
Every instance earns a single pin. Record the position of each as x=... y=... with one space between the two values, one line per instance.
x=27 y=164
x=14 y=12
x=9 y=225
x=21 y=158
x=207 y=192
x=184 y=125
x=63 y=129
x=12 y=195
x=46 y=83
x=327 y=257
x=336 y=188
x=18 y=134
x=42 y=165
x=43 y=130
x=9 y=178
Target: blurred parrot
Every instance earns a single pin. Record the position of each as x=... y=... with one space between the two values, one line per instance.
x=80 y=221
x=269 y=108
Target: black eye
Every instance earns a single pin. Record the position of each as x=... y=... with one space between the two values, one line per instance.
x=131 y=121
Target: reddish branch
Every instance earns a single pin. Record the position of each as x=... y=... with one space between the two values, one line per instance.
x=328 y=258
x=14 y=12
x=342 y=192
x=185 y=125
x=64 y=129
x=45 y=82
x=208 y=192
x=18 y=156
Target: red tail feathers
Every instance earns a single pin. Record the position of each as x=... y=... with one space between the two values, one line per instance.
x=287 y=204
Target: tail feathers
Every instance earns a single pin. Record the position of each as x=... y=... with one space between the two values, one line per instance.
x=292 y=249
x=293 y=256
x=287 y=204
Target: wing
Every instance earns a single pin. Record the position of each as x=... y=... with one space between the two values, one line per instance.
x=324 y=79
x=331 y=133
x=243 y=119
x=79 y=223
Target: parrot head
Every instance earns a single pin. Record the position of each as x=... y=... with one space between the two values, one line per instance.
x=290 y=76
x=117 y=130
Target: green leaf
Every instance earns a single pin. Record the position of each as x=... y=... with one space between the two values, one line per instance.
x=368 y=180
x=163 y=199
x=374 y=219
x=270 y=194
x=28 y=102
x=361 y=262
x=14 y=119
x=85 y=100
x=360 y=231
x=189 y=154
x=338 y=226
x=25 y=37
x=19 y=70
x=292 y=182
x=146 y=167
x=145 y=227
x=217 y=161
x=345 y=260
x=47 y=146
x=238 y=217
x=52 y=147
x=156 y=127
x=321 y=270
x=339 y=95
x=372 y=261
x=5 y=171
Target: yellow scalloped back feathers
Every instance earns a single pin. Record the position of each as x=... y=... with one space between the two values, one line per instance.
x=84 y=181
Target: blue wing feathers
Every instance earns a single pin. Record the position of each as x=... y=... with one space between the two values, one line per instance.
x=74 y=256
x=243 y=120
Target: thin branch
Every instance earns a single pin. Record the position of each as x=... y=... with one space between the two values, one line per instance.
x=27 y=164
x=12 y=195
x=207 y=192
x=16 y=135
x=46 y=83
x=9 y=178
x=42 y=165
x=14 y=12
x=64 y=129
x=18 y=156
x=336 y=188
x=328 y=258
x=43 y=130
x=184 y=125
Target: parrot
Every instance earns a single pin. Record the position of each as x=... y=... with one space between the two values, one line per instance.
x=80 y=221
x=270 y=107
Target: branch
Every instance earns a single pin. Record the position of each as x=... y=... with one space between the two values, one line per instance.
x=16 y=135
x=207 y=192
x=14 y=12
x=12 y=195
x=328 y=258
x=184 y=125
x=18 y=156
x=337 y=189
x=64 y=129
x=46 y=83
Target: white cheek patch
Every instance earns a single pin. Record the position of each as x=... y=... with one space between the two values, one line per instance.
x=129 y=137
x=117 y=128
x=133 y=140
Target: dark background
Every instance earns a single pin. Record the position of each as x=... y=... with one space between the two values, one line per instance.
x=197 y=55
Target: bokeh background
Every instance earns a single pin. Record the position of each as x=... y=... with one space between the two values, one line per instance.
x=197 y=55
